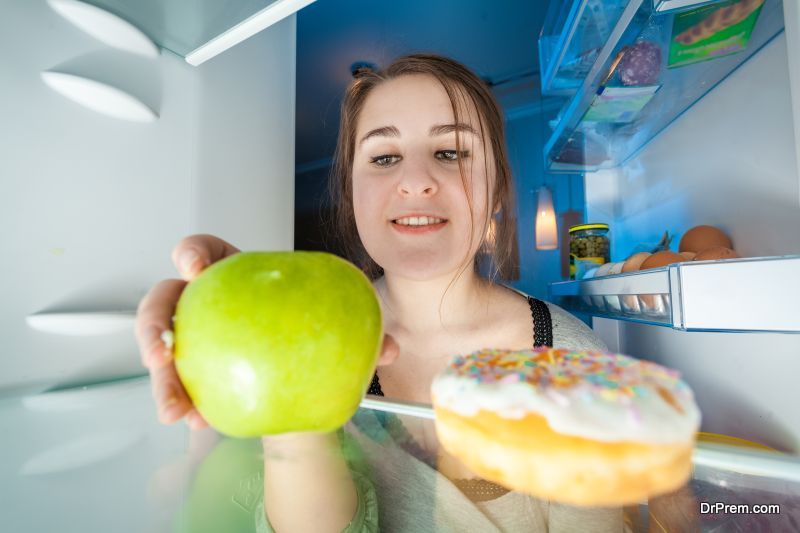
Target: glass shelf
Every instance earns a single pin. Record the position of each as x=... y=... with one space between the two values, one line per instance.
x=104 y=463
x=571 y=39
x=631 y=92
x=182 y=26
x=695 y=296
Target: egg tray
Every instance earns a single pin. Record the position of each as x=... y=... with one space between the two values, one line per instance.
x=644 y=306
x=695 y=295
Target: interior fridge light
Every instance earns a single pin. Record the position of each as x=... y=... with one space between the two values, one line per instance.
x=546 y=227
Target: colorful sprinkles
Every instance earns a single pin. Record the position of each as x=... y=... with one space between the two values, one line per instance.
x=611 y=377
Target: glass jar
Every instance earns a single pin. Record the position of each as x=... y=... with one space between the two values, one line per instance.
x=589 y=247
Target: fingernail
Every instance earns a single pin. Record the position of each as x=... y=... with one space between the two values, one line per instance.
x=188 y=260
x=168 y=338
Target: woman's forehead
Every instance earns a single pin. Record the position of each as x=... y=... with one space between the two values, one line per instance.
x=414 y=102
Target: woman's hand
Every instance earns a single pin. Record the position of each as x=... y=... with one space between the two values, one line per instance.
x=154 y=318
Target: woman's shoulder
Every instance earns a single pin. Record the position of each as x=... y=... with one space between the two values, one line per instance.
x=571 y=333
x=568 y=331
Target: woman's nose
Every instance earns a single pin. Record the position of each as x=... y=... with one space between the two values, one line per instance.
x=416 y=179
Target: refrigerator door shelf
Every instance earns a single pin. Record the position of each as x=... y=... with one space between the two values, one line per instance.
x=573 y=37
x=202 y=29
x=617 y=106
x=737 y=295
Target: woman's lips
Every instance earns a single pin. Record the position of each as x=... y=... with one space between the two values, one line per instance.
x=418 y=230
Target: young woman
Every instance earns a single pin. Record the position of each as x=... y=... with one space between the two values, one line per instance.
x=420 y=176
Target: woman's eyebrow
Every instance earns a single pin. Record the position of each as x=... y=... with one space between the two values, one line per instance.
x=440 y=129
x=385 y=131
x=443 y=129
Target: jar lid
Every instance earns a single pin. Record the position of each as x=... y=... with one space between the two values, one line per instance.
x=580 y=227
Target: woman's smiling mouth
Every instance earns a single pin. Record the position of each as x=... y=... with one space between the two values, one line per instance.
x=416 y=225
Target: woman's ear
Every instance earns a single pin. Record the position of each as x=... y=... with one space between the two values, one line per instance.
x=389 y=351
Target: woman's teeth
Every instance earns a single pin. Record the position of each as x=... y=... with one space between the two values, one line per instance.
x=418 y=221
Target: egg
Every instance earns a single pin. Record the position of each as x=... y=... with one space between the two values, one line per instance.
x=700 y=238
x=716 y=252
x=660 y=259
x=657 y=304
x=589 y=274
x=688 y=256
x=603 y=270
x=630 y=302
x=616 y=268
x=613 y=300
x=633 y=263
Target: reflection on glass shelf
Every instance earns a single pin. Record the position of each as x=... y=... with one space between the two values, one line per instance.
x=110 y=466
x=696 y=295
x=652 y=68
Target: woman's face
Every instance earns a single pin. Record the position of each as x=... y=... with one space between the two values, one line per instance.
x=406 y=165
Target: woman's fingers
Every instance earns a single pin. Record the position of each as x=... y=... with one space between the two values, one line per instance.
x=153 y=327
x=195 y=419
x=194 y=253
x=171 y=399
x=153 y=318
x=389 y=351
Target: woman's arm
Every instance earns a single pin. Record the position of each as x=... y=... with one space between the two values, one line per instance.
x=307 y=483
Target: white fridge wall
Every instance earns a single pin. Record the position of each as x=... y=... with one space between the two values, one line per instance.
x=92 y=206
x=730 y=162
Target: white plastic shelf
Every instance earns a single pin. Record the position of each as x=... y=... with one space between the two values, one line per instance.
x=737 y=295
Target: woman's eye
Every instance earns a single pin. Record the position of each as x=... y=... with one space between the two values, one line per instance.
x=451 y=155
x=385 y=160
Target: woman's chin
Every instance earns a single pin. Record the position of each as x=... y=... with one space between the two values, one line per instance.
x=421 y=269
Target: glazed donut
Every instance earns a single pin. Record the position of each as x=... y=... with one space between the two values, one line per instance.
x=581 y=428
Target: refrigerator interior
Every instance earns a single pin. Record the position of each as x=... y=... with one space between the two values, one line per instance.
x=94 y=205
x=93 y=208
x=729 y=162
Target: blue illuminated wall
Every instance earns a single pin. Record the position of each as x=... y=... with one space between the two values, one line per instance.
x=526 y=131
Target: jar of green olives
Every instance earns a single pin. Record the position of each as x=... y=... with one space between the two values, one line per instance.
x=589 y=247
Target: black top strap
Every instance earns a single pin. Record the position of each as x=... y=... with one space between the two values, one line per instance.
x=375 y=386
x=542 y=323
x=542 y=335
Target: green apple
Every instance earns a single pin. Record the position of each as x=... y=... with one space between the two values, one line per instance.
x=276 y=342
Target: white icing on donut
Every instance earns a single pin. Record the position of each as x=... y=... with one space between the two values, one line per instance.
x=601 y=396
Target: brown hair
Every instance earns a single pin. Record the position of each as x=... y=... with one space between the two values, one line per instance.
x=462 y=87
